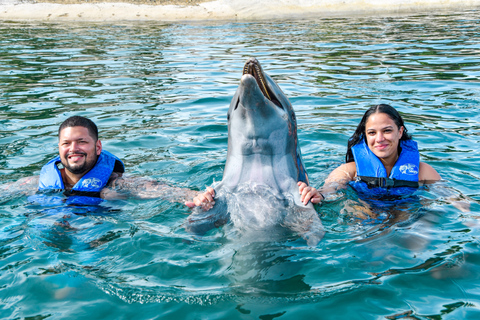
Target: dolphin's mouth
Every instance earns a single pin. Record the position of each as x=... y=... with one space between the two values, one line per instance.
x=253 y=68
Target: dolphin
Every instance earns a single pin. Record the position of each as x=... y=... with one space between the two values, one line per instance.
x=259 y=190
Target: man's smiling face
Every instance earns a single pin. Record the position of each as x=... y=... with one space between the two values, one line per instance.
x=78 y=149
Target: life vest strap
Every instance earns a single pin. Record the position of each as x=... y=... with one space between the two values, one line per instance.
x=374 y=182
x=92 y=194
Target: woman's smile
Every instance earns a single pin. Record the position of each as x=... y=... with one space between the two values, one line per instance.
x=383 y=136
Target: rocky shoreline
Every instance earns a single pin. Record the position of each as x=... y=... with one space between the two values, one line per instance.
x=136 y=2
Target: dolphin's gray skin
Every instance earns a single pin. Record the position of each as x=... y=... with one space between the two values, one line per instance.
x=259 y=188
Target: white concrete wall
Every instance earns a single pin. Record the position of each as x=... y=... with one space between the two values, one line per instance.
x=223 y=9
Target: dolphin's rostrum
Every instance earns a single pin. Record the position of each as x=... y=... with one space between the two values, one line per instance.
x=259 y=191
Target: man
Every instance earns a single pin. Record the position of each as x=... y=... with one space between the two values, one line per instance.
x=83 y=168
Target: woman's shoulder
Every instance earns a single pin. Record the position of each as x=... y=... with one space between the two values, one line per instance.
x=345 y=172
x=427 y=173
x=350 y=167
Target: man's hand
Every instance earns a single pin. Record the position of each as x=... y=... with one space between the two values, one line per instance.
x=204 y=200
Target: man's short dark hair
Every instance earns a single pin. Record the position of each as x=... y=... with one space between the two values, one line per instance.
x=79 y=121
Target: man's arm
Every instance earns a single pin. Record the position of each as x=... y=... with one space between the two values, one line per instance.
x=203 y=199
x=24 y=186
x=143 y=188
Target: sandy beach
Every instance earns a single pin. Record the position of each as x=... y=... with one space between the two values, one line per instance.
x=174 y=10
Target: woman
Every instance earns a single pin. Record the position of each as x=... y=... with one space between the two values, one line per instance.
x=382 y=160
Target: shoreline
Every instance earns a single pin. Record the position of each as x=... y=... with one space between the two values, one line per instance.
x=201 y=10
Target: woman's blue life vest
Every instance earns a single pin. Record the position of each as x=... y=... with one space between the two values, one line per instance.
x=372 y=181
x=87 y=189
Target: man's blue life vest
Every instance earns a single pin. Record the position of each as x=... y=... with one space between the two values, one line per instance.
x=89 y=185
x=372 y=181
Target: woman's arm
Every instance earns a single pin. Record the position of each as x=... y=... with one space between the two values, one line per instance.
x=428 y=175
x=337 y=179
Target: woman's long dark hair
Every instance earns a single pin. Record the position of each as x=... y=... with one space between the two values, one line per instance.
x=360 y=131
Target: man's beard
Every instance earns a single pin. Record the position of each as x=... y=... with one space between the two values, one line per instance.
x=83 y=168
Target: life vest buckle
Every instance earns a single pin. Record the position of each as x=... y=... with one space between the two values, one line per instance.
x=388 y=183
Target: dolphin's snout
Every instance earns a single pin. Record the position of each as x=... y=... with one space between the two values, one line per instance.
x=253 y=68
x=250 y=82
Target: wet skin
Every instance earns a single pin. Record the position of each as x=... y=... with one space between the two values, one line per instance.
x=78 y=153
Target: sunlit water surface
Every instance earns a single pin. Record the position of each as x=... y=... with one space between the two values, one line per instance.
x=159 y=94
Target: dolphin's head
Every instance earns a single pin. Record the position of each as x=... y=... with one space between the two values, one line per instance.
x=261 y=121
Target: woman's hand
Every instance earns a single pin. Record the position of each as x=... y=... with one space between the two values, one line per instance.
x=309 y=194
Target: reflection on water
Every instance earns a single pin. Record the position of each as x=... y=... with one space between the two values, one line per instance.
x=159 y=94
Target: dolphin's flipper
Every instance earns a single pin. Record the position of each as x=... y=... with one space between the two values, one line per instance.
x=200 y=221
x=305 y=222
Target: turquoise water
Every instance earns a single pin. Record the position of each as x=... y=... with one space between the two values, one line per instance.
x=159 y=94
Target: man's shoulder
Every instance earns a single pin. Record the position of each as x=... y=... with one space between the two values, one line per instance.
x=115 y=177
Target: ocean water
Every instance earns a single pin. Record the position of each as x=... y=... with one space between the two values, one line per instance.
x=159 y=93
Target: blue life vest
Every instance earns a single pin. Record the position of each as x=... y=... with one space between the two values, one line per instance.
x=87 y=189
x=372 y=181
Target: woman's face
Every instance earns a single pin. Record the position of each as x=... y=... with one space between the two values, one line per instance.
x=383 y=136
